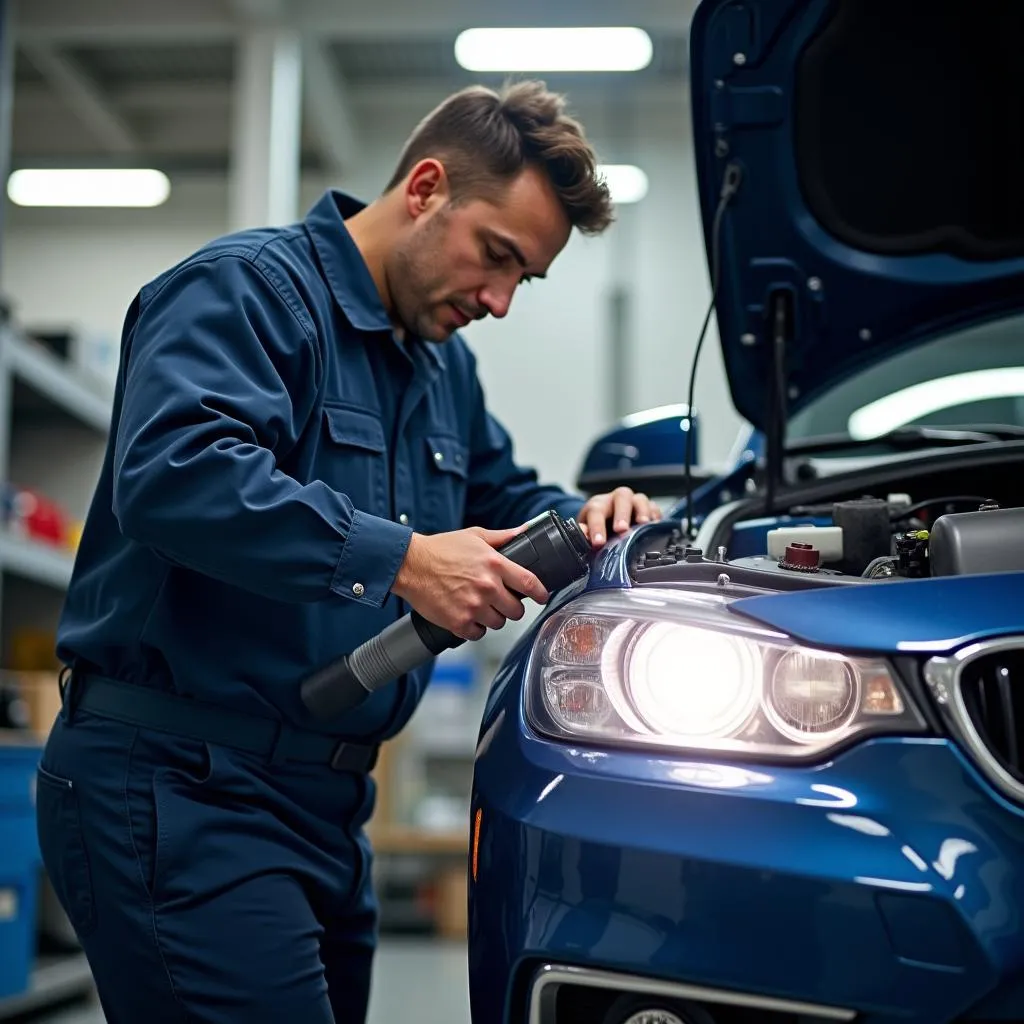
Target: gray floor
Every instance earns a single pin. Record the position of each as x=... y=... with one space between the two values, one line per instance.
x=415 y=980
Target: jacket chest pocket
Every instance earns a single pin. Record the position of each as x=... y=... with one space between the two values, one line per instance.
x=446 y=475
x=353 y=458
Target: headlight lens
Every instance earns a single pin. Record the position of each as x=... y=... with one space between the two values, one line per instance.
x=666 y=668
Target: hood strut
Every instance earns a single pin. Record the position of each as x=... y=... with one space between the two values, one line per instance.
x=781 y=306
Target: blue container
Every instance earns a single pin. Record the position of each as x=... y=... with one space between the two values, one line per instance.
x=19 y=865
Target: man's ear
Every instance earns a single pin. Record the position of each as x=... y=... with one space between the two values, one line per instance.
x=426 y=187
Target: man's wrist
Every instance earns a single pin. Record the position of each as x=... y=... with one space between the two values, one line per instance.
x=407 y=571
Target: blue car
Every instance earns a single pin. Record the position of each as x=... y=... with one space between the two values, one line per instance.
x=765 y=763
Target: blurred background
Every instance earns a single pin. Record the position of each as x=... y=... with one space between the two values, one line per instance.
x=247 y=110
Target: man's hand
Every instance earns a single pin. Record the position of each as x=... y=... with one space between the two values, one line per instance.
x=459 y=581
x=622 y=508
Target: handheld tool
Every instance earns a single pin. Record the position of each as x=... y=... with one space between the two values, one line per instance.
x=554 y=549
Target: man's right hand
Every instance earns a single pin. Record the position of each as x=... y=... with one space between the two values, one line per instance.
x=460 y=582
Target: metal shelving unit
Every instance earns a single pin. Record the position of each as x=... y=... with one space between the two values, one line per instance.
x=54 y=423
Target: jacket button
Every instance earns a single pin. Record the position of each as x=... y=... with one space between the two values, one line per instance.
x=358 y=589
x=403 y=519
x=439 y=456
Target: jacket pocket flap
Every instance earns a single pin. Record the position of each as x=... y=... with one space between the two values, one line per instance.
x=448 y=454
x=355 y=428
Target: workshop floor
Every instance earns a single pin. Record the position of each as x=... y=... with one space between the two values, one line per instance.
x=413 y=980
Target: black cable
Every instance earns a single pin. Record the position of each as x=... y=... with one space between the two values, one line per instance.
x=730 y=185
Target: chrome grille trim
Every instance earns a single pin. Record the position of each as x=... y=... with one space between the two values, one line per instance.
x=944 y=677
x=554 y=974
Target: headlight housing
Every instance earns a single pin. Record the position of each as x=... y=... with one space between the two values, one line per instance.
x=664 y=668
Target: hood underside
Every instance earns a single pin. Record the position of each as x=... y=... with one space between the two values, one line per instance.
x=879 y=154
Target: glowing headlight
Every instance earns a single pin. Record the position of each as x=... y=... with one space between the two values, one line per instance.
x=663 y=668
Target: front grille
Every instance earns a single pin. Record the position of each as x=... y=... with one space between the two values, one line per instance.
x=992 y=687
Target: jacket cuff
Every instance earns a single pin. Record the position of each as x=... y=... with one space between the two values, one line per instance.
x=370 y=559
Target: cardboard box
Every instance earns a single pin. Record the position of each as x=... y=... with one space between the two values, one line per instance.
x=451 y=912
x=41 y=692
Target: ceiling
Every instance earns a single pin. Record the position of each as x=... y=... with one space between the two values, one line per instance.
x=113 y=81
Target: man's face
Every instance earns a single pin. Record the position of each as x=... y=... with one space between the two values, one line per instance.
x=458 y=263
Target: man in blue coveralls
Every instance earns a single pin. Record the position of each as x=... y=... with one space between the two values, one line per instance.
x=295 y=461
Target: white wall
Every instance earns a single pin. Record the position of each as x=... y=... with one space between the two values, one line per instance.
x=543 y=367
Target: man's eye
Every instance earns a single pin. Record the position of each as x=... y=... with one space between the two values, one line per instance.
x=493 y=256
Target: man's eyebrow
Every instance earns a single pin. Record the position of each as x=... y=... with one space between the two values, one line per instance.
x=516 y=252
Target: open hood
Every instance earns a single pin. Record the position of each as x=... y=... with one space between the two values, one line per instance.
x=877 y=155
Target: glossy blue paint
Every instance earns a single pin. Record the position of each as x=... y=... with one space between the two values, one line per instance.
x=898 y=615
x=888 y=880
x=644 y=441
x=743 y=112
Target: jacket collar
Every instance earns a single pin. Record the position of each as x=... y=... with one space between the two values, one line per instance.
x=346 y=271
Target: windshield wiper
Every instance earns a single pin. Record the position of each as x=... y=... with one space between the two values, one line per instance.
x=909 y=437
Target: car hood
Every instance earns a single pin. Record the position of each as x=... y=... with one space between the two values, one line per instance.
x=931 y=615
x=878 y=159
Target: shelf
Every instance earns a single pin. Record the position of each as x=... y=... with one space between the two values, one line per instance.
x=54 y=980
x=42 y=563
x=51 y=378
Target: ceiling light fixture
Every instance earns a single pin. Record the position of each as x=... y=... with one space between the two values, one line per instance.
x=553 y=49
x=96 y=187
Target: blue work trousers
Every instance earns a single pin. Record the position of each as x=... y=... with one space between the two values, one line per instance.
x=205 y=884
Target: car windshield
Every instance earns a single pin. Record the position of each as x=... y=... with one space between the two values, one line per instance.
x=969 y=378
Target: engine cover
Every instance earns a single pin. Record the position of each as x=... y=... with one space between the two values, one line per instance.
x=966 y=543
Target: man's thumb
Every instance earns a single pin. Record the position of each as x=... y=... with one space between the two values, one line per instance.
x=498 y=537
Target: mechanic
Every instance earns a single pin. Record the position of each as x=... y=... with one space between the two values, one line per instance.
x=300 y=453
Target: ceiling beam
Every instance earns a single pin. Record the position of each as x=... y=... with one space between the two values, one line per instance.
x=81 y=94
x=328 y=107
x=326 y=103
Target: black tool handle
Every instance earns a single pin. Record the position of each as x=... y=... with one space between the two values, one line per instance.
x=552 y=548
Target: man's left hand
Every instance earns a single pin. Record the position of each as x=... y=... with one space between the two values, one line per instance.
x=621 y=509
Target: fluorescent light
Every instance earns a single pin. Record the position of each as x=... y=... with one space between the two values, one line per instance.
x=628 y=184
x=905 y=406
x=553 y=49
x=88 y=187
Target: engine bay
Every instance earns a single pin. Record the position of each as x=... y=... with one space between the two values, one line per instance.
x=853 y=541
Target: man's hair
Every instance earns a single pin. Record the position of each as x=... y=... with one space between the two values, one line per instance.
x=486 y=138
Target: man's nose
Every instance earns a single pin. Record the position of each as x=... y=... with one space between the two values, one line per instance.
x=497 y=299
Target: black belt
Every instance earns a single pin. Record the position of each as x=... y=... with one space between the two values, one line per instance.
x=182 y=716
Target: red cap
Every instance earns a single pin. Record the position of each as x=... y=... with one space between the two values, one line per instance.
x=803 y=557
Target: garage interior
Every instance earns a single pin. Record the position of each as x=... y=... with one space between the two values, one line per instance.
x=251 y=109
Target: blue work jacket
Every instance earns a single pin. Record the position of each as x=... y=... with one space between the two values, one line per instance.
x=262 y=481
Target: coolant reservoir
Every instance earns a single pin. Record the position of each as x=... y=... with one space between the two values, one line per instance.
x=827 y=539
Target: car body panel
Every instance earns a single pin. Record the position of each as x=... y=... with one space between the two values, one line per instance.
x=897 y=616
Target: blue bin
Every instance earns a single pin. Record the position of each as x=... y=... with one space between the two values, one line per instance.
x=19 y=865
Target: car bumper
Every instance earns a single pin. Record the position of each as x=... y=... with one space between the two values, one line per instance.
x=885 y=885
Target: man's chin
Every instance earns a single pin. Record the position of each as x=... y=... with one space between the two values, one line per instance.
x=438 y=332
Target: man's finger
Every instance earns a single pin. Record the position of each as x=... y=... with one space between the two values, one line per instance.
x=623 y=509
x=496 y=538
x=597 y=515
x=641 y=508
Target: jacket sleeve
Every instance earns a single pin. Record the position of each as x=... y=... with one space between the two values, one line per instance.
x=219 y=378
x=501 y=494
